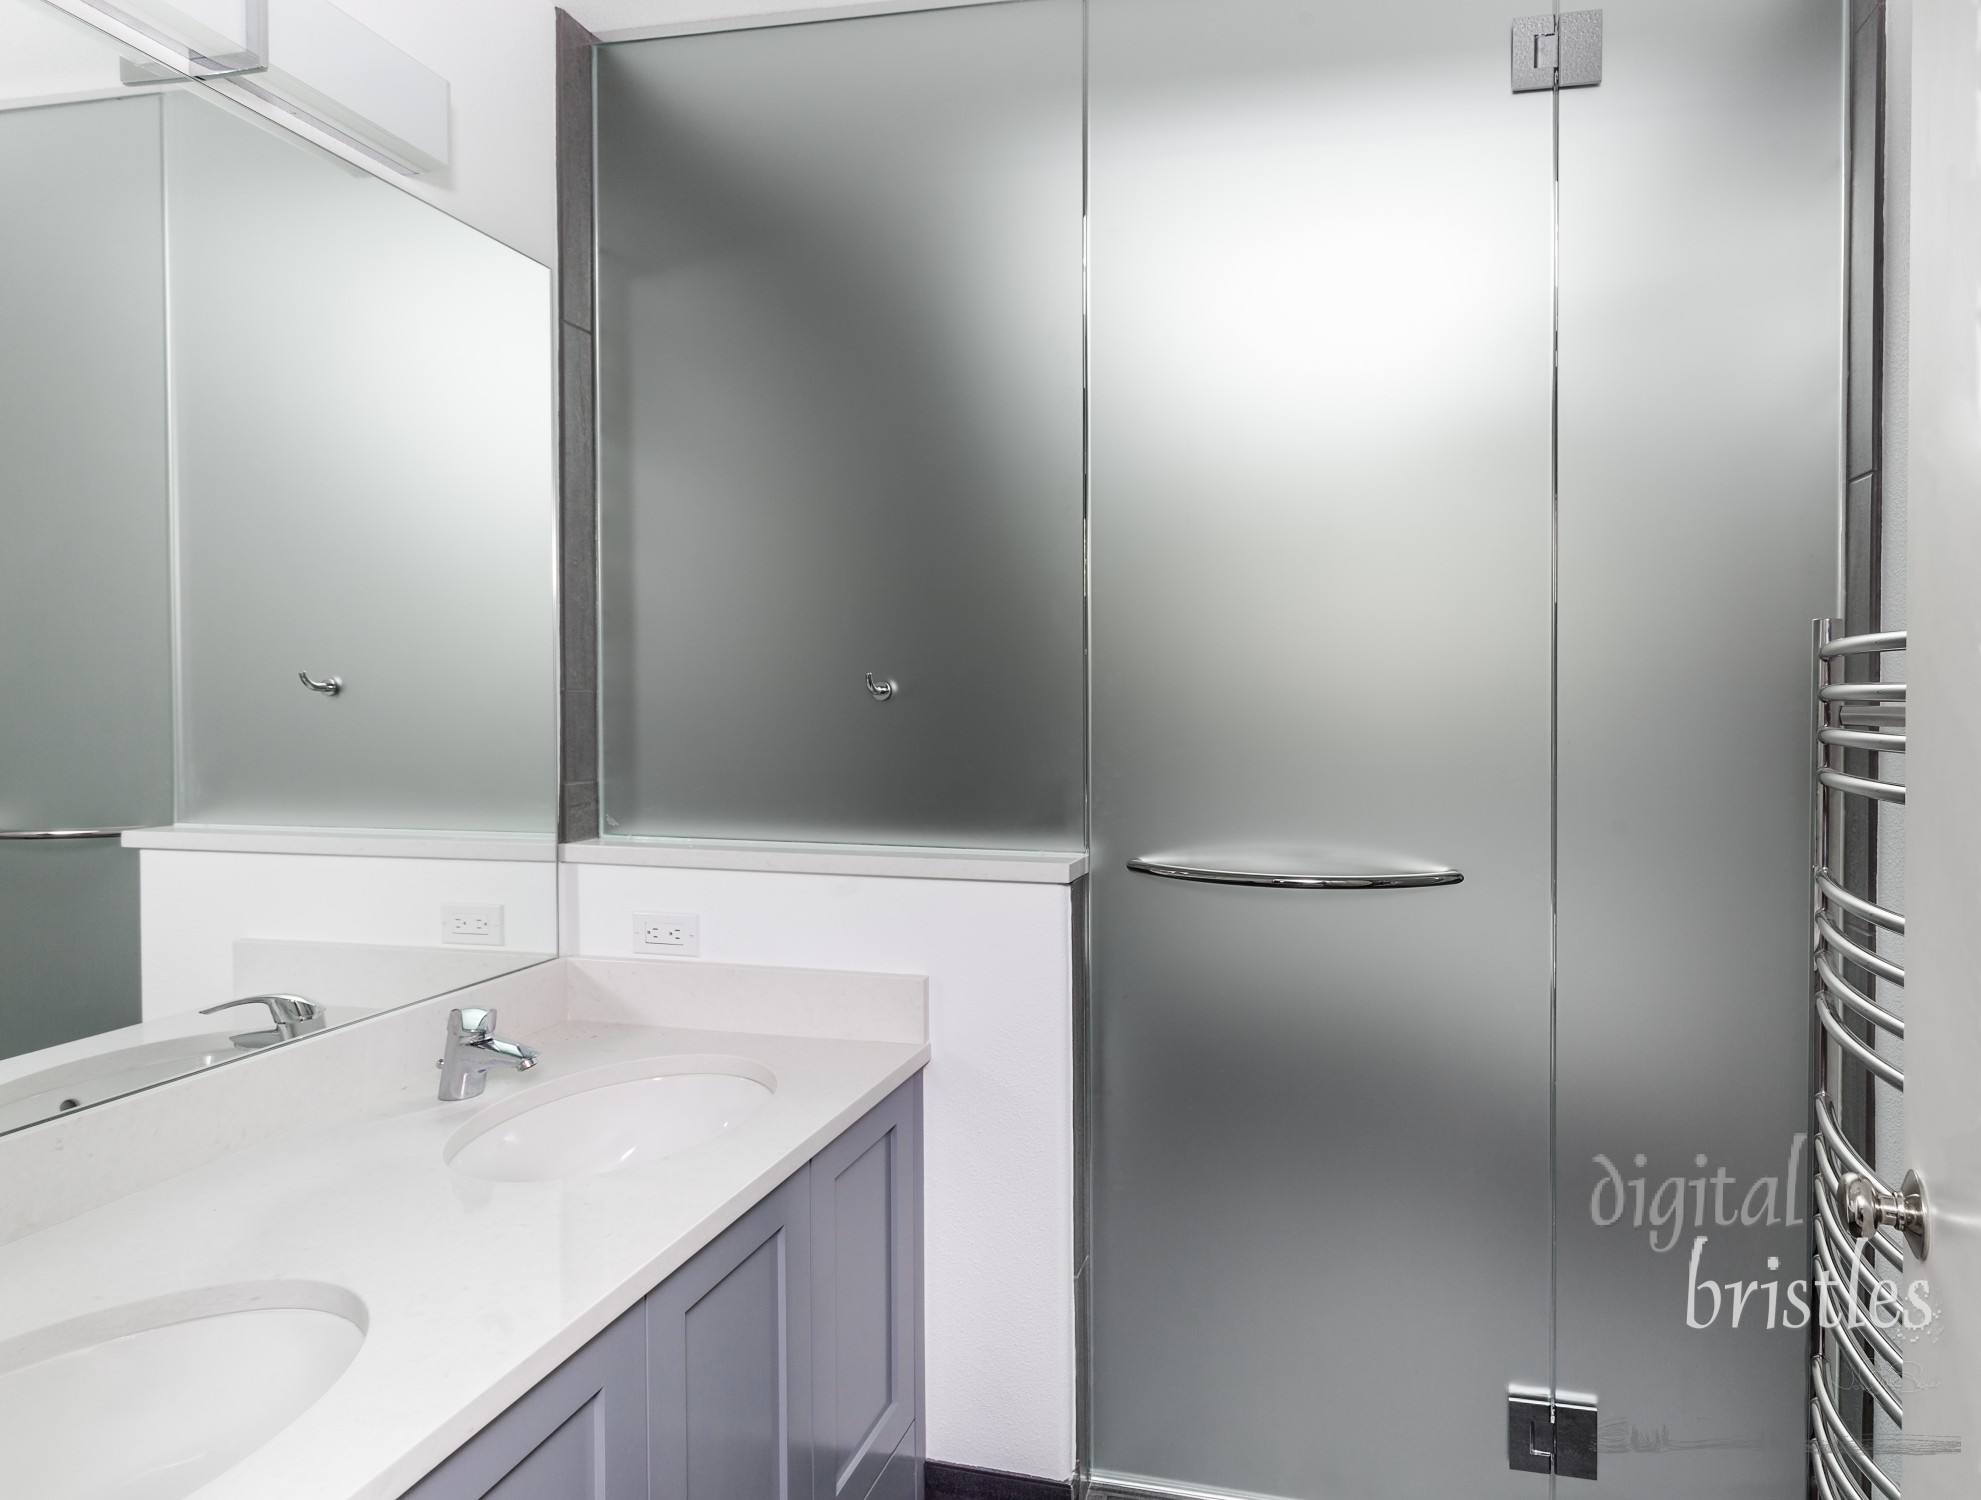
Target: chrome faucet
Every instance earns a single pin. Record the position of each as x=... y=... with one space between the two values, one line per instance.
x=472 y=1049
x=292 y=1014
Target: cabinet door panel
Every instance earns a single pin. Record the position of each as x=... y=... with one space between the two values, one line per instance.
x=580 y=1435
x=866 y=1295
x=901 y=1478
x=729 y=1361
x=562 y=1466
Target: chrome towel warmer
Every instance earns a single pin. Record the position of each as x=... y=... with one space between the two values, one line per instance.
x=1846 y=969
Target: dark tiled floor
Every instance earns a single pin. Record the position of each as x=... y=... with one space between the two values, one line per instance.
x=955 y=1482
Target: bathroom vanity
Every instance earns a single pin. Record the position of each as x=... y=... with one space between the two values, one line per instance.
x=782 y=1361
x=358 y=1291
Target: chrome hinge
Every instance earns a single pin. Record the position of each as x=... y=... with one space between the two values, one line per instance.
x=1544 y=1436
x=1558 y=51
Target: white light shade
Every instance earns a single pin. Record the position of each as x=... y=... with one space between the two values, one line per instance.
x=221 y=30
x=326 y=65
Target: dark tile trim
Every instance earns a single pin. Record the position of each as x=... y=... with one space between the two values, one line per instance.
x=577 y=445
x=960 y=1482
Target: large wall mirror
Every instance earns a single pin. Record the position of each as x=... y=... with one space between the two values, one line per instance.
x=276 y=600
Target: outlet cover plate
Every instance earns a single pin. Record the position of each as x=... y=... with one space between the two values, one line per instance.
x=471 y=924
x=675 y=932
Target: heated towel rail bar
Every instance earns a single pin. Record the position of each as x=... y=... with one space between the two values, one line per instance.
x=1855 y=1358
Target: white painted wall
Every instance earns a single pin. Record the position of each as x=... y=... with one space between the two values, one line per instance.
x=998 y=1109
x=196 y=904
x=497 y=57
x=1942 y=1388
x=619 y=19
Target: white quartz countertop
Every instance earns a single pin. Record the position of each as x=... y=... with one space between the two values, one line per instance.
x=473 y=1290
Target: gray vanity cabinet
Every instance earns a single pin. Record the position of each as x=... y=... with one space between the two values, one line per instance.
x=580 y=1434
x=866 y=1299
x=783 y=1362
x=729 y=1347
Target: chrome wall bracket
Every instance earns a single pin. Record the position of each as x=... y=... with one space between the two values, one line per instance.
x=1557 y=52
x=1866 y=1209
x=1545 y=1436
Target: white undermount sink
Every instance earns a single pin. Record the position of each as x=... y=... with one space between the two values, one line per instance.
x=152 y=1400
x=610 y=1118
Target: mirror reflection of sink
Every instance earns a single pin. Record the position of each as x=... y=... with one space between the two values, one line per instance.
x=104 y=1075
x=610 y=1118
x=153 y=1400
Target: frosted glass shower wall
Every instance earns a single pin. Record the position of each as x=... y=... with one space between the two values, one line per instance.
x=363 y=418
x=85 y=613
x=840 y=431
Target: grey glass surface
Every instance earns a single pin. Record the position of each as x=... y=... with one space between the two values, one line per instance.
x=1700 y=403
x=85 y=562
x=1320 y=467
x=840 y=429
x=86 y=671
x=362 y=397
x=68 y=942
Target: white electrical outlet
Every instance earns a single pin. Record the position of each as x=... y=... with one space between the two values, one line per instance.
x=675 y=932
x=471 y=924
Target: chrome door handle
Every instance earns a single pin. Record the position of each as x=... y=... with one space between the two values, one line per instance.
x=1866 y=1210
x=1373 y=880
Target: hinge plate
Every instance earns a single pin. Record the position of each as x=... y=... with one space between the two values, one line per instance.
x=1551 y=1437
x=1557 y=51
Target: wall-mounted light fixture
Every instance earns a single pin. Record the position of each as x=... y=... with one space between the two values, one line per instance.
x=201 y=38
x=309 y=59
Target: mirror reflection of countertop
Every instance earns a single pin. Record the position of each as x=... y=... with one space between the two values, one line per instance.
x=345 y=981
x=332 y=1169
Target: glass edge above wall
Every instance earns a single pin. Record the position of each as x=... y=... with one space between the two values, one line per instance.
x=382 y=843
x=901 y=861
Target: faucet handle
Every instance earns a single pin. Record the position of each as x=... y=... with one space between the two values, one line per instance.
x=292 y=1014
x=472 y=1022
x=291 y=1008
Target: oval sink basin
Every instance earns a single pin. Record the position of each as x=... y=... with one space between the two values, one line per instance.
x=611 y=1118
x=151 y=1401
x=90 y=1080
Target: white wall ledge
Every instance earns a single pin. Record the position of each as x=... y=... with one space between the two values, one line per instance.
x=898 y=861
x=372 y=843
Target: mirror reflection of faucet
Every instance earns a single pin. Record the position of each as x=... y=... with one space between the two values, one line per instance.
x=292 y=1014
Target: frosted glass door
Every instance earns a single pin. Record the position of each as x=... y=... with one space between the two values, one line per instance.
x=1320 y=457
x=1700 y=405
